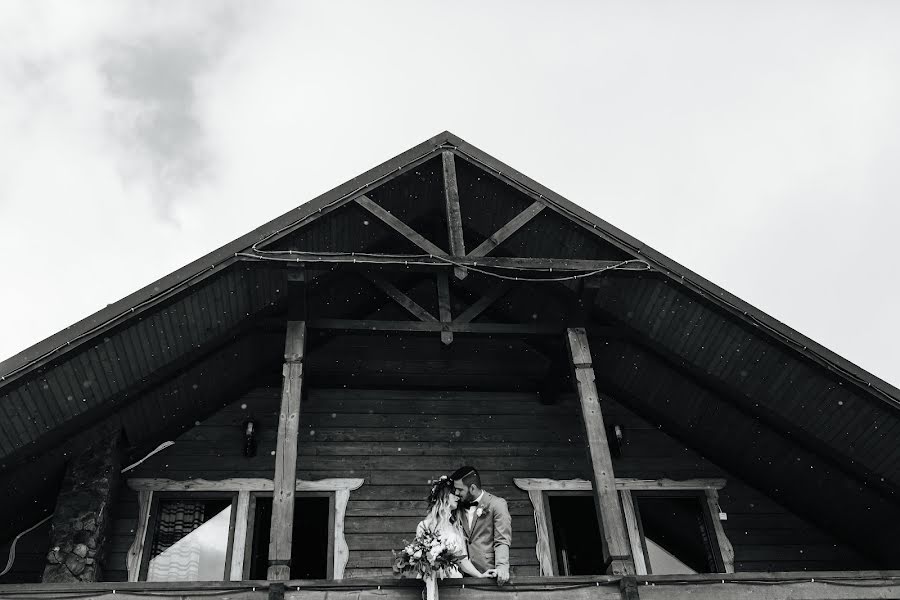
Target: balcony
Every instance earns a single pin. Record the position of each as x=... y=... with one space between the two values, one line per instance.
x=824 y=585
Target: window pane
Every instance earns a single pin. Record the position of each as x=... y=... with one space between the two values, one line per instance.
x=190 y=542
x=675 y=534
x=576 y=535
x=662 y=562
x=309 y=549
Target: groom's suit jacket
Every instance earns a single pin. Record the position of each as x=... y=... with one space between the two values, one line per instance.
x=490 y=534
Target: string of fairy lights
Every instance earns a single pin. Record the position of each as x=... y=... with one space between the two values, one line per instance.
x=407 y=260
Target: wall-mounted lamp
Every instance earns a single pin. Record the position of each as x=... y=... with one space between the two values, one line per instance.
x=615 y=436
x=250 y=427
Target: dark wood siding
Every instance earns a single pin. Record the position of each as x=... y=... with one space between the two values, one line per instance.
x=31 y=556
x=398 y=440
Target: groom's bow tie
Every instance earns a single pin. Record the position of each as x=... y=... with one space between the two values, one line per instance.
x=472 y=503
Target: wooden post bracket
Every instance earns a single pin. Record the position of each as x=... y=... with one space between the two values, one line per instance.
x=502 y=234
x=482 y=304
x=400 y=227
x=413 y=307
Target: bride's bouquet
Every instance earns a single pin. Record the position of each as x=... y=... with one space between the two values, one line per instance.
x=426 y=557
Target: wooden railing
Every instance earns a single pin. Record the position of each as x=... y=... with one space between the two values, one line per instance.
x=827 y=585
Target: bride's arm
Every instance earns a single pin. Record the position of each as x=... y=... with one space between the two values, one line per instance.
x=466 y=566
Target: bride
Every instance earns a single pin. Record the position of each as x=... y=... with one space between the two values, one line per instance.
x=441 y=519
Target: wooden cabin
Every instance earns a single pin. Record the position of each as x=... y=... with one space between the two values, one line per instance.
x=264 y=422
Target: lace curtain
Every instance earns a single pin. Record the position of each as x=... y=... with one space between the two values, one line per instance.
x=175 y=555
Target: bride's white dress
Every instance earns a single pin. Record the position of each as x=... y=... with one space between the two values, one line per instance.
x=454 y=539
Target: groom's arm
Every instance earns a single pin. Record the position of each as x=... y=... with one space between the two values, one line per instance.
x=502 y=539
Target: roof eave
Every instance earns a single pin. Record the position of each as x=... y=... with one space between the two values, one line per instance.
x=73 y=336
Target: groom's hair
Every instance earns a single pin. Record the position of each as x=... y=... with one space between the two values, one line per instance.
x=468 y=475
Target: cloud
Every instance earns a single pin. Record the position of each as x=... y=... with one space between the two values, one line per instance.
x=122 y=81
x=152 y=76
x=756 y=143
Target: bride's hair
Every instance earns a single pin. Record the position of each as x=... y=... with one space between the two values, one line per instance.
x=439 y=511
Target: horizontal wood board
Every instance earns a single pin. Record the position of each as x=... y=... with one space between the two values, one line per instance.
x=398 y=440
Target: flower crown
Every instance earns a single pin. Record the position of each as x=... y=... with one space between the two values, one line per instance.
x=437 y=486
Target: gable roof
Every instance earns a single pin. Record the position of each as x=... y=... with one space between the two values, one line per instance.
x=192 y=274
x=197 y=329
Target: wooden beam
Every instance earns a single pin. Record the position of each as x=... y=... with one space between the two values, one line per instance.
x=436 y=327
x=502 y=234
x=402 y=299
x=628 y=588
x=443 y=293
x=400 y=227
x=616 y=551
x=285 y=480
x=480 y=305
x=415 y=262
x=239 y=484
x=726 y=550
x=454 y=217
x=634 y=533
x=622 y=483
x=239 y=536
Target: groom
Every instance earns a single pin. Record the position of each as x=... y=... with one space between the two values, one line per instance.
x=486 y=523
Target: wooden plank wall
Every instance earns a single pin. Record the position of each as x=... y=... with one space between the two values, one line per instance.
x=31 y=556
x=398 y=440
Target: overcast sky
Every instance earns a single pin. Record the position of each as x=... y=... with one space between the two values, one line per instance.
x=757 y=143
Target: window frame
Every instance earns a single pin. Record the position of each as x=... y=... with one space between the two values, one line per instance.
x=551 y=534
x=251 y=526
x=147 y=489
x=545 y=550
x=153 y=517
x=715 y=550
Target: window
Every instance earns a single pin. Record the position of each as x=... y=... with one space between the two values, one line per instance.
x=313 y=537
x=190 y=538
x=575 y=541
x=674 y=533
x=200 y=530
x=673 y=526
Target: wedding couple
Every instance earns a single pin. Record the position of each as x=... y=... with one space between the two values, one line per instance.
x=474 y=523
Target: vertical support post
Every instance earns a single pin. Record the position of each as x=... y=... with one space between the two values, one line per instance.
x=454 y=216
x=634 y=534
x=239 y=539
x=616 y=550
x=285 y=479
x=628 y=588
x=443 y=294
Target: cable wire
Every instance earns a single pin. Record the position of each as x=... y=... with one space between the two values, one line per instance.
x=12 y=548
